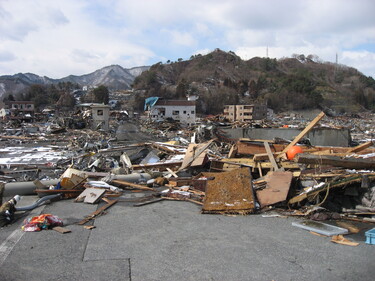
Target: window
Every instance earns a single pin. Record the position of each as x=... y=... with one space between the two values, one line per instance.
x=192 y=112
x=184 y=111
x=100 y=112
x=175 y=112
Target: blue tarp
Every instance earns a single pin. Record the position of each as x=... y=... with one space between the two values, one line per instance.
x=150 y=102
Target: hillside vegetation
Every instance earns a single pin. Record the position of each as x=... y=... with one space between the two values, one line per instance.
x=220 y=78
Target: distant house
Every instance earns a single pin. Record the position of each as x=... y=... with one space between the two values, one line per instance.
x=183 y=111
x=245 y=112
x=99 y=115
x=21 y=110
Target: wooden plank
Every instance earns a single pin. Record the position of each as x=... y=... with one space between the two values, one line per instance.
x=166 y=149
x=270 y=156
x=278 y=185
x=263 y=156
x=90 y=195
x=173 y=173
x=351 y=227
x=184 y=199
x=339 y=239
x=98 y=211
x=232 y=151
x=157 y=165
x=360 y=147
x=350 y=163
x=303 y=133
x=61 y=230
x=126 y=183
x=89 y=227
x=193 y=152
x=148 y=202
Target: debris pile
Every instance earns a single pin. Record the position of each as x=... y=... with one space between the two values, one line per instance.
x=223 y=176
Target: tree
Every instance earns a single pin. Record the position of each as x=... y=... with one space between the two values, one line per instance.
x=38 y=94
x=66 y=100
x=101 y=94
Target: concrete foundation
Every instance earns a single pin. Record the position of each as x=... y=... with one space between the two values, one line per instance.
x=319 y=136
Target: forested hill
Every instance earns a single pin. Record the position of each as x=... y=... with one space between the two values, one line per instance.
x=219 y=78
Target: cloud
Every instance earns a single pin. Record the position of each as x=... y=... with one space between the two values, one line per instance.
x=58 y=38
x=6 y=56
x=56 y=17
x=362 y=60
x=83 y=55
x=180 y=37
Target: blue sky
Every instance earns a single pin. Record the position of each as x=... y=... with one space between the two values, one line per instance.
x=58 y=38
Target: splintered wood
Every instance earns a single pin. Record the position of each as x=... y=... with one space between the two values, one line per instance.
x=229 y=193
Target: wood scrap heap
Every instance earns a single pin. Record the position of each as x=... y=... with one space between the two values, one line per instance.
x=245 y=176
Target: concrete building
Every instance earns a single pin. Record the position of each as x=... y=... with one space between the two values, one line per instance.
x=245 y=113
x=179 y=110
x=21 y=110
x=99 y=115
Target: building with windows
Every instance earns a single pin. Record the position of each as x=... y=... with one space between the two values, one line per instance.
x=183 y=111
x=99 y=114
x=21 y=110
x=245 y=113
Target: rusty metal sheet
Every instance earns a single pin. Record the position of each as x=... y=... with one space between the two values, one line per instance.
x=277 y=188
x=229 y=192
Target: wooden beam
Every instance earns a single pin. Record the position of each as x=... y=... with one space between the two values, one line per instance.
x=350 y=163
x=148 y=202
x=173 y=173
x=303 y=133
x=157 y=165
x=126 y=183
x=98 y=211
x=270 y=156
x=360 y=147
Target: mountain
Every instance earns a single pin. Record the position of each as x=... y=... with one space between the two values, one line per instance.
x=114 y=77
x=220 y=78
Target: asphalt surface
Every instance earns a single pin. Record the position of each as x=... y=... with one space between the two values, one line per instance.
x=172 y=240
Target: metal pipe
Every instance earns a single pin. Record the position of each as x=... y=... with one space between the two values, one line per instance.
x=25 y=187
x=28 y=187
x=134 y=177
x=39 y=202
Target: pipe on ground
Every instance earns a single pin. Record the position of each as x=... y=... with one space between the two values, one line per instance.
x=28 y=187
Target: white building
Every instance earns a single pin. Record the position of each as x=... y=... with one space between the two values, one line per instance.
x=180 y=110
x=99 y=115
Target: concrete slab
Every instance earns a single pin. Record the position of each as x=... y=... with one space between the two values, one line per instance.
x=49 y=255
x=171 y=240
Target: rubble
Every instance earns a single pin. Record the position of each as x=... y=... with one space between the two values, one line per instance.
x=197 y=164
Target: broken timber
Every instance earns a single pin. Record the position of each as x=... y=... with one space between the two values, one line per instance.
x=339 y=183
x=98 y=212
x=350 y=163
x=360 y=147
x=303 y=133
x=270 y=156
x=134 y=185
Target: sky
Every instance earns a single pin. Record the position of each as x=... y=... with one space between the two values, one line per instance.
x=59 y=38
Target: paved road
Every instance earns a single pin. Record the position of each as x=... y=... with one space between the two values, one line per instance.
x=171 y=240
